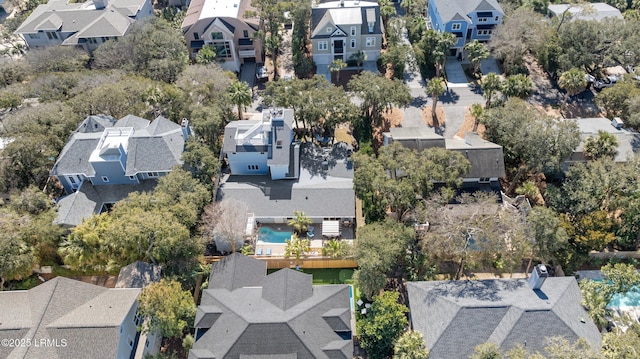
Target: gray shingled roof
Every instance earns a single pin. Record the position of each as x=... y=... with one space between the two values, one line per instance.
x=237 y=271
x=628 y=139
x=587 y=11
x=245 y=323
x=88 y=317
x=154 y=146
x=320 y=15
x=459 y=9
x=81 y=19
x=320 y=191
x=455 y=316
x=138 y=275
x=88 y=200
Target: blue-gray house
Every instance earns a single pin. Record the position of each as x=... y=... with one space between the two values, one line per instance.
x=467 y=19
x=106 y=159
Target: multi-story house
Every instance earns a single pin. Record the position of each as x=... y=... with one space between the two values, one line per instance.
x=104 y=160
x=467 y=19
x=65 y=318
x=245 y=313
x=223 y=25
x=342 y=28
x=275 y=175
x=82 y=24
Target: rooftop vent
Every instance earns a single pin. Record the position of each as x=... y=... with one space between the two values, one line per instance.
x=341 y=3
x=538 y=275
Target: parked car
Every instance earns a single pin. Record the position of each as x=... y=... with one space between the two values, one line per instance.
x=608 y=81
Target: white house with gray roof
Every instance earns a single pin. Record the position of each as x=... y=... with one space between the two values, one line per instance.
x=456 y=316
x=245 y=313
x=274 y=175
x=339 y=29
x=263 y=147
x=105 y=160
x=83 y=24
x=64 y=318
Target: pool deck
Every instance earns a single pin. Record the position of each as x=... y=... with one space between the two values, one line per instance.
x=277 y=249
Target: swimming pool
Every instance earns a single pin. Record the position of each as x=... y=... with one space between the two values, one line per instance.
x=268 y=235
x=630 y=299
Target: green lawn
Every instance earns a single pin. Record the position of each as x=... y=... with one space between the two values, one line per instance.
x=329 y=275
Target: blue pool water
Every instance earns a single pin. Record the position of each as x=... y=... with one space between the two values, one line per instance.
x=268 y=235
x=631 y=299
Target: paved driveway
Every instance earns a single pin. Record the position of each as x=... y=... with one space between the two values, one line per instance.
x=455 y=73
x=489 y=65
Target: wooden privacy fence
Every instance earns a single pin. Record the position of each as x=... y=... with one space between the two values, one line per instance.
x=309 y=263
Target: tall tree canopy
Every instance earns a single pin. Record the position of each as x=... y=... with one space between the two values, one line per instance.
x=151 y=48
x=382 y=325
x=378 y=94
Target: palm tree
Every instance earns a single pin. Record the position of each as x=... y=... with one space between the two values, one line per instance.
x=476 y=112
x=445 y=41
x=603 y=145
x=206 y=55
x=296 y=247
x=336 y=66
x=386 y=9
x=530 y=190
x=519 y=85
x=300 y=222
x=477 y=52
x=410 y=346
x=359 y=57
x=490 y=84
x=240 y=96
x=336 y=248
x=435 y=87
x=572 y=81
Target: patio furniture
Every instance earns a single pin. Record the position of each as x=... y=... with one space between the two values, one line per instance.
x=310 y=233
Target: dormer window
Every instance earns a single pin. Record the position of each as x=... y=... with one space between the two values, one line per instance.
x=329 y=29
x=456 y=26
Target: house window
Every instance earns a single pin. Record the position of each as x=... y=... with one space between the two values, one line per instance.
x=329 y=29
x=371 y=26
x=121 y=329
x=152 y=174
x=133 y=178
x=323 y=45
x=137 y=320
x=353 y=31
x=72 y=180
x=130 y=341
x=456 y=26
x=497 y=18
x=92 y=40
x=484 y=180
x=196 y=36
x=223 y=49
x=371 y=42
x=253 y=167
x=34 y=36
x=353 y=43
x=52 y=35
x=245 y=33
x=279 y=144
x=105 y=179
x=216 y=35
